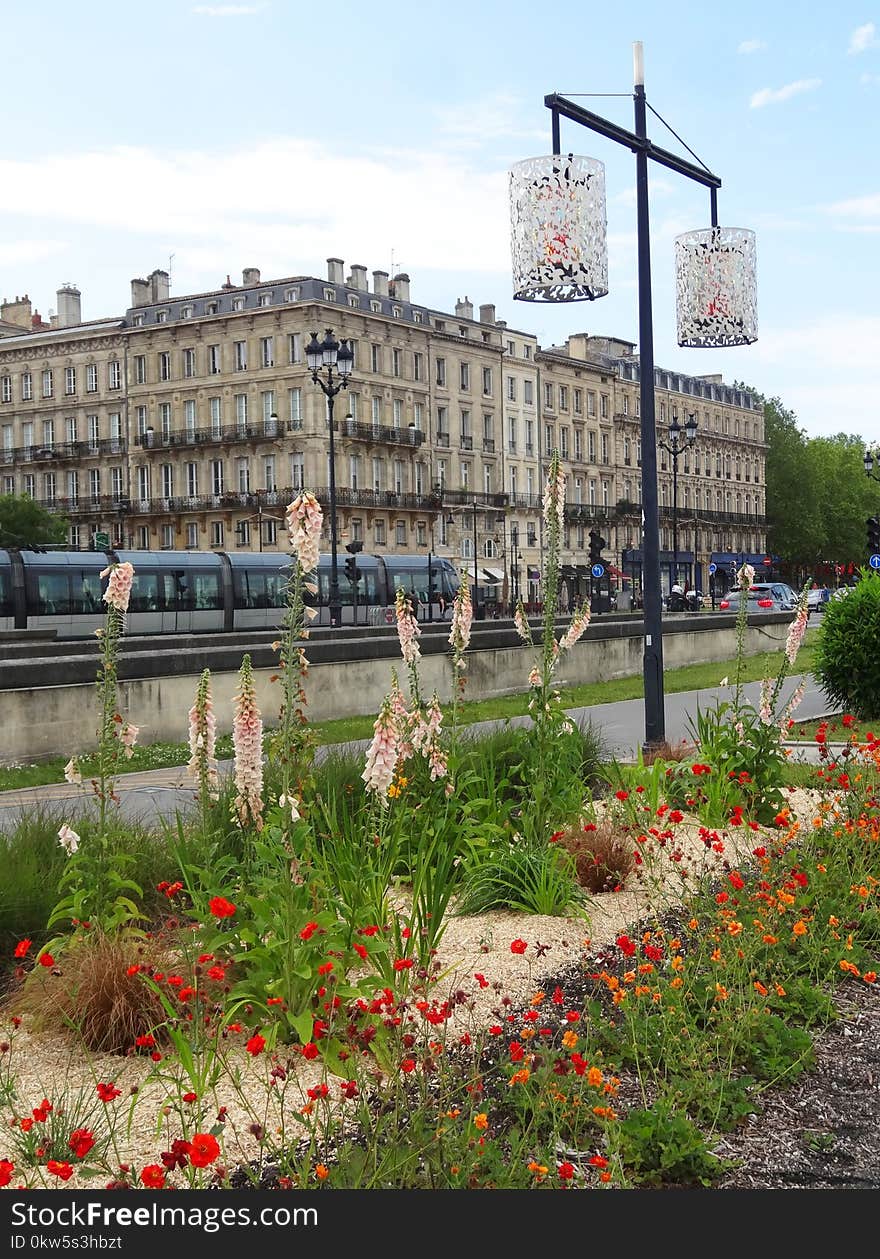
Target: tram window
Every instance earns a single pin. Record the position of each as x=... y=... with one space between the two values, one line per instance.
x=144 y=593
x=206 y=591
x=368 y=591
x=5 y=594
x=177 y=592
x=276 y=589
x=53 y=594
x=85 y=595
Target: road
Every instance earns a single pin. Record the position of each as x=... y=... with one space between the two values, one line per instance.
x=163 y=793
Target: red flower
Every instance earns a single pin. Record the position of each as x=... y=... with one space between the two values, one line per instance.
x=81 y=1141
x=310 y=1050
x=481 y=979
x=177 y=1156
x=6 y=1170
x=22 y=947
x=220 y=907
x=622 y=795
x=308 y=931
x=408 y=1065
x=626 y=945
x=736 y=881
x=518 y=946
x=217 y=973
x=565 y=1171
x=46 y=959
x=62 y=1170
x=153 y=1177
x=402 y=963
x=676 y=816
x=361 y=950
x=598 y=1161
x=145 y=1042
x=256 y=1044
x=325 y=968
x=190 y=1097
x=203 y=1149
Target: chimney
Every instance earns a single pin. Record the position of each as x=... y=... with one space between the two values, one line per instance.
x=358 y=278
x=69 y=306
x=250 y=275
x=140 y=292
x=228 y=284
x=17 y=312
x=464 y=309
x=335 y=270
x=401 y=287
x=487 y=313
x=160 y=286
x=380 y=283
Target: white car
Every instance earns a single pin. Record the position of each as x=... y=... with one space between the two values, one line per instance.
x=816 y=599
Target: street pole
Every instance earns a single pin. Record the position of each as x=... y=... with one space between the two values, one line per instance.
x=335 y=598
x=336 y=360
x=476 y=595
x=674 y=519
x=430 y=582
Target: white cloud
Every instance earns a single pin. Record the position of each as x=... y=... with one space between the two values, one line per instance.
x=857 y=207
x=863 y=38
x=17 y=251
x=771 y=95
x=492 y=117
x=227 y=10
x=869 y=78
x=751 y=45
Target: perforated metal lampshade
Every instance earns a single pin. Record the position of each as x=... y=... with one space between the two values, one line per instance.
x=716 y=287
x=558 y=241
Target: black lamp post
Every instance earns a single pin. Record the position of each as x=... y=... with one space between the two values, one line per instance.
x=680 y=439
x=515 y=561
x=870 y=459
x=334 y=359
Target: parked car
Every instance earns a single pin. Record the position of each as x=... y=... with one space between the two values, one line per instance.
x=768 y=596
x=817 y=598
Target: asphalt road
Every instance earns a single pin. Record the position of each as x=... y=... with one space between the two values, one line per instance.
x=163 y=793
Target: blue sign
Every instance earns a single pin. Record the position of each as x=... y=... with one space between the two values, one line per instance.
x=598 y=570
x=874 y=561
x=713 y=568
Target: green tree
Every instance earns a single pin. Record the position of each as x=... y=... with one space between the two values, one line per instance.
x=844 y=495
x=794 y=524
x=24 y=523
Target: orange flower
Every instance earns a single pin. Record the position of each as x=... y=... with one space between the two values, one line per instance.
x=569 y=1039
x=768 y=939
x=799 y=928
x=481 y=1121
x=870 y=977
x=721 y=993
x=759 y=987
x=780 y=991
x=595 y=1077
x=693 y=924
x=677 y=963
x=677 y=982
x=734 y=928
x=519 y=1077
x=538 y=998
x=321 y=1171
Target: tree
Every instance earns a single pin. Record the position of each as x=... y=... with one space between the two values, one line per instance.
x=24 y=523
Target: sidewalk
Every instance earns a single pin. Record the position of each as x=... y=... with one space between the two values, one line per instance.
x=163 y=792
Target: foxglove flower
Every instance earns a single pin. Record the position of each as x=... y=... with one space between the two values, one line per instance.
x=247 y=740
x=408 y=631
x=71 y=772
x=796 y=631
x=68 y=839
x=128 y=738
x=579 y=622
x=202 y=739
x=118 y=590
x=305 y=520
x=383 y=753
x=462 y=619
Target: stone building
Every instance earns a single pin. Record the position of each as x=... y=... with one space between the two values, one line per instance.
x=191 y=421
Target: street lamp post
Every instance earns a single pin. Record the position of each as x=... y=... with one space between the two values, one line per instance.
x=515 y=561
x=334 y=359
x=870 y=459
x=558 y=243
x=680 y=439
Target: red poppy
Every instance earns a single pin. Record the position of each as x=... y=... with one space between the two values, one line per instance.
x=256 y=1044
x=565 y=1171
x=220 y=907
x=217 y=973
x=626 y=945
x=22 y=947
x=62 y=1170
x=203 y=1149
x=408 y=1065
x=145 y=1042
x=81 y=1141
x=308 y=931
x=518 y=946
x=310 y=1050
x=736 y=881
x=6 y=1170
x=361 y=950
x=46 y=959
x=676 y=815
x=190 y=1097
x=153 y=1177
x=402 y=963
x=622 y=795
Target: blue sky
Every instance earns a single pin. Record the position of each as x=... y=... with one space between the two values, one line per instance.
x=273 y=133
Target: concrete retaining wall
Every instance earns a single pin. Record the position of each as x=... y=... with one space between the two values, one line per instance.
x=62 y=720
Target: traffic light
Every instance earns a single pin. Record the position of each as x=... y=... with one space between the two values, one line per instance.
x=873 y=534
x=597 y=543
x=351 y=569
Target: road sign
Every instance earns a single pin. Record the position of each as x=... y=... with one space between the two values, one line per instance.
x=713 y=568
x=767 y=562
x=874 y=561
x=102 y=541
x=598 y=570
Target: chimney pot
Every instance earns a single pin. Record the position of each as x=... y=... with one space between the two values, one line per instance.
x=380 y=283
x=335 y=270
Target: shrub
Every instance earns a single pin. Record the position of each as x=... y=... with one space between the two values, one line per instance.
x=528 y=876
x=603 y=857
x=846 y=662
x=95 y=992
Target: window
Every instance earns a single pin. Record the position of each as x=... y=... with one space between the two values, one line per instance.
x=578 y=444
x=140 y=416
x=94 y=429
x=294 y=347
x=114 y=374
x=192 y=479
x=214 y=406
x=396 y=412
x=6 y=389
x=464 y=375
x=243 y=475
x=267 y=351
x=418 y=366
x=213 y=360
x=189 y=417
x=604 y=406
x=376 y=410
x=267 y=401
x=216 y=476
x=487 y=382
x=161 y=316
x=591 y=402
x=605 y=448
x=164 y=365
x=95 y=483
x=241 y=411
x=379 y=532
x=297 y=471
x=69 y=382
x=143 y=537
x=511 y=434
x=400 y=532
x=30 y=485
x=186 y=312
x=418 y=411
x=70 y=428
x=238 y=303
x=243 y=533
x=264 y=299
x=115 y=428
x=528 y=393
x=375 y=358
x=165 y=420
x=578 y=401
x=548 y=397
x=47 y=383
x=140 y=369
x=396 y=362
x=511 y=389
x=192 y=536
x=167 y=480
x=291 y=295
x=378 y=472
x=294 y=397
x=189 y=363
x=239 y=355
x=216 y=533
x=27 y=385
x=269 y=482
x=563 y=442
x=563 y=397
x=591 y=447
x=441 y=372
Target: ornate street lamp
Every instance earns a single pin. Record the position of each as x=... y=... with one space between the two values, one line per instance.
x=330 y=363
x=680 y=439
x=872 y=457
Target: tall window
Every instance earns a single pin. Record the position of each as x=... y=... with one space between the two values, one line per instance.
x=165 y=420
x=216 y=416
x=69 y=382
x=216 y=476
x=192 y=479
x=47 y=383
x=294 y=347
x=140 y=369
x=114 y=374
x=295 y=401
x=189 y=363
x=27 y=386
x=267 y=351
x=487 y=381
x=241 y=410
x=189 y=416
x=213 y=360
x=239 y=355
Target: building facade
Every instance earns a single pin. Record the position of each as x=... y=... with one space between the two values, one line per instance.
x=191 y=422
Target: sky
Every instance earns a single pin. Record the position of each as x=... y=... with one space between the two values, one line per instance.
x=209 y=137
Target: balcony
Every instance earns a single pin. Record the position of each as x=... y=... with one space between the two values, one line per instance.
x=442 y=439
x=584 y=513
x=465 y=441
x=59 y=452
x=219 y=436
x=467 y=498
x=489 y=445
x=356 y=431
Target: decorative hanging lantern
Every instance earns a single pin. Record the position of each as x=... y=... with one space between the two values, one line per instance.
x=716 y=288
x=558 y=229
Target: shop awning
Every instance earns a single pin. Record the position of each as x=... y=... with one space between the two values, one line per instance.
x=492 y=576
